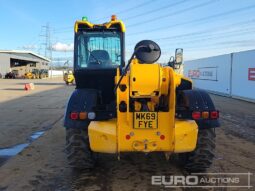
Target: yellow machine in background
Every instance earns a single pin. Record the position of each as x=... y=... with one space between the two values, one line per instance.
x=69 y=77
x=29 y=75
x=141 y=106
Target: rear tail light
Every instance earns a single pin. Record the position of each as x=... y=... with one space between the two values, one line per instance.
x=196 y=115
x=205 y=115
x=79 y=115
x=214 y=114
x=83 y=115
x=74 y=115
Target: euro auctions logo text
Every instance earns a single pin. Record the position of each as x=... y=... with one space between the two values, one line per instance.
x=207 y=180
x=171 y=181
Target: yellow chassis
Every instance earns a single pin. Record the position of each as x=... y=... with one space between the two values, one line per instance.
x=121 y=135
x=103 y=138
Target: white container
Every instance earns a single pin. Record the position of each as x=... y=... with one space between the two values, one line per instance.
x=243 y=75
x=213 y=73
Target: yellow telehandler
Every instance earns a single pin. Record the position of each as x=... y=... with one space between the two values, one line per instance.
x=69 y=77
x=139 y=106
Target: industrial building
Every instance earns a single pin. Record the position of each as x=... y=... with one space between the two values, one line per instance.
x=21 y=62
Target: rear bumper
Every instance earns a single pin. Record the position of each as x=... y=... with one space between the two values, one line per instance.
x=104 y=138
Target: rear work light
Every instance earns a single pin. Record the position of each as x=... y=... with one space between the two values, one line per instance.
x=91 y=115
x=74 y=115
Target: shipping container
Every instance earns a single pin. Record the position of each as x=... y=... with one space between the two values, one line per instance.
x=231 y=74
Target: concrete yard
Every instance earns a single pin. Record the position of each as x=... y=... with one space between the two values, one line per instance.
x=42 y=165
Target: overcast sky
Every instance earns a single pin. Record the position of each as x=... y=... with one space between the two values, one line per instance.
x=202 y=27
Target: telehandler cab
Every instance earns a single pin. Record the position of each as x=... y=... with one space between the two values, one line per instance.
x=138 y=107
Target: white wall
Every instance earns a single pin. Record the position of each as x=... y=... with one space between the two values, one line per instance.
x=210 y=73
x=243 y=74
x=4 y=64
x=56 y=73
x=231 y=74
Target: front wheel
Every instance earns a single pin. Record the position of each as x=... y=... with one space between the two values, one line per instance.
x=79 y=154
x=202 y=157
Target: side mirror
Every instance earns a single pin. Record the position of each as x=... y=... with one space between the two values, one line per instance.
x=147 y=51
x=179 y=56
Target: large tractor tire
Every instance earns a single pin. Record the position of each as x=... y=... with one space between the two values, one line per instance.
x=202 y=157
x=79 y=154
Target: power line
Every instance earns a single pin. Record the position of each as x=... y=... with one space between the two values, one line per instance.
x=129 y=9
x=159 y=17
x=225 y=44
x=119 y=12
x=212 y=30
x=197 y=20
x=174 y=13
x=155 y=10
x=204 y=32
x=218 y=36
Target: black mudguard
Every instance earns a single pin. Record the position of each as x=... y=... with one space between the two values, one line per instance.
x=199 y=100
x=80 y=100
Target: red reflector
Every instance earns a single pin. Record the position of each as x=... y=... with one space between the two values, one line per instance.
x=74 y=115
x=214 y=114
x=196 y=115
x=162 y=137
x=127 y=137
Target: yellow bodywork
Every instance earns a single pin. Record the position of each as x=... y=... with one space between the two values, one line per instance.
x=29 y=75
x=103 y=138
x=107 y=25
x=69 y=77
x=138 y=129
x=170 y=135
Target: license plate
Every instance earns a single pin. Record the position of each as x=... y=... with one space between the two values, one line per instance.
x=145 y=120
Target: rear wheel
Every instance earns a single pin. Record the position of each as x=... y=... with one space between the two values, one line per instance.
x=202 y=157
x=79 y=154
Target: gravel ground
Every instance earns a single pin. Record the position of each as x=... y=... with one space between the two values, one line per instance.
x=43 y=166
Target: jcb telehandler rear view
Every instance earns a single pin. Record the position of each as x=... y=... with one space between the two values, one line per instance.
x=139 y=106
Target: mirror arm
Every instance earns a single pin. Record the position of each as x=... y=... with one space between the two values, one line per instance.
x=124 y=72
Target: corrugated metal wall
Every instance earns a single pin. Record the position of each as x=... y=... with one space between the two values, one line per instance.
x=231 y=74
